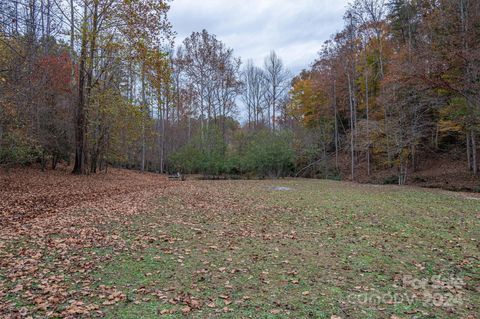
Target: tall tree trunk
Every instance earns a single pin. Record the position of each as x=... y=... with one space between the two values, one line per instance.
x=385 y=110
x=368 y=115
x=335 y=110
x=352 y=128
x=468 y=78
x=224 y=129
x=414 y=160
x=80 y=122
x=1 y=128
x=16 y=17
x=49 y=20
x=90 y=67
x=474 y=153
x=249 y=107
x=189 y=128
x=274 y=106
x=162 y=141
x=269 y=115
x=144 y=115
x=165 y=127
x=469 y=156
x=42 y=18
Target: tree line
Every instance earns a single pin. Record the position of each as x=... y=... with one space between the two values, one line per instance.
x=102 y=83
x=399 y=84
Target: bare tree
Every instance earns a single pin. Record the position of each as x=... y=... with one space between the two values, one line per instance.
x=212 y=71
x=277 y=78
x=254 y=92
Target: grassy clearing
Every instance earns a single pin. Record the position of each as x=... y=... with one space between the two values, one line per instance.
x=257 y=249
x=233 y=249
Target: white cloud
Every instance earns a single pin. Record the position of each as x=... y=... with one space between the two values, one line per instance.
x=294 y=28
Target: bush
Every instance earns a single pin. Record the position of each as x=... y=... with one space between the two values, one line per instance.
x=204 y=154
x=392 y=180
x=16 y=150
x=186 y=160
x=264 y=154
x=268 y=154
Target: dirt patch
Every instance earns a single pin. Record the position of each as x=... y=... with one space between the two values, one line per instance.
x=280 y=188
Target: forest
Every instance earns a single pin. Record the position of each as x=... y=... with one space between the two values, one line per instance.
x=102 y=83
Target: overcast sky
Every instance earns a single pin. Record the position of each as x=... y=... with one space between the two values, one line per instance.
x=295 y=29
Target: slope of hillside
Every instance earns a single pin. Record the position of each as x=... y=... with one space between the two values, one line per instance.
x=444 y=171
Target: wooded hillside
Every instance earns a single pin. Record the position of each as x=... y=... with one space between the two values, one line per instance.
x=398 y=86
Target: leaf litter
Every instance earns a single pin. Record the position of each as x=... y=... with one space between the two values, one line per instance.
x=227 y=235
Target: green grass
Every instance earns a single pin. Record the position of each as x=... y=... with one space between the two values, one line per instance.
x=239 y=249
x=301 y=253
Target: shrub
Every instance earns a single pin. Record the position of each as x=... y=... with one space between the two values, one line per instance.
x=262 y=154
x=391 y=180
x=17 y=150
x=268 y=154
x=204 y=154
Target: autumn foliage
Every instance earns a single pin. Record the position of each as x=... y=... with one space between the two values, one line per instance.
x=399 y=85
